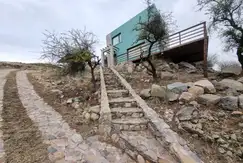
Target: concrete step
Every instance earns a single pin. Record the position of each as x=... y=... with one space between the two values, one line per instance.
x=126 y=102
x=126 y=112
x=117 y=93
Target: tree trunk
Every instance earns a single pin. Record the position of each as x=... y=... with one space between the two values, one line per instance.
x=240 y=53
x=93 y=79
x=154 y=73
x=148 y=59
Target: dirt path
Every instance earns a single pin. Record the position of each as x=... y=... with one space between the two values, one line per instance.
x=3 y=74
x=22 y=139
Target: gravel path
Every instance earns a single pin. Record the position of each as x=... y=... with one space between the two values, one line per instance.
x=65 y=145
x=3 y=74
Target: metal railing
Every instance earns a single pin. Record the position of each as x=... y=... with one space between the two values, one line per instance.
x=186 y=36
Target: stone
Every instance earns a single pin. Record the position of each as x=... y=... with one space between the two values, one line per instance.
x=95 y=109
x=187 y=65
x=208 y=99
x=177 y=87
x=221 y=150
x=229 y=103
x=221 y=114
x=87 y=116
x=75 y=105
x=115 y=138
x=240 y=80
x=135 y=115
x=233 y=137
x=231 y=84
x=196 y=91
x=168 y=115
x=206 y=85
x=231 y=70
x=240 y=125
x=229 y=153
x=158 y=91
x=140 y=159
x=167 y=75
x=94 y=116
x=241 y=101
x=69 y=101
x=171 y=96
x=130 y=68
x=194 y=103
x=221 y=141
x=51 y=149
x=237 y=113
x=186 y=97
x=185 y=113
x=145 y=93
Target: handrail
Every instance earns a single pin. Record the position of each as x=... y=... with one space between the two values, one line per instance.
x=175 y=40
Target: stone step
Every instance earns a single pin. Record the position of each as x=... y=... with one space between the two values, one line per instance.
x=117 y=93
x=126 y=102
x=130 y=124
x=122 y=100
x=147 y=146
x=130 y=121
x=127 y=112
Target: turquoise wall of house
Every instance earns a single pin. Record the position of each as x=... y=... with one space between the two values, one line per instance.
x=128 y=35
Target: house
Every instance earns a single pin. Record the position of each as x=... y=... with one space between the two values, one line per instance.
x=121 y=44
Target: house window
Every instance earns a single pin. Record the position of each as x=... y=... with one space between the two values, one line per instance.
x=116 y=40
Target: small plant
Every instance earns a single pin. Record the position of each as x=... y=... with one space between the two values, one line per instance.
x=212 y=60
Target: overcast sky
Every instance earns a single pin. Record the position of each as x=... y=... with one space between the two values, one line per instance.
x=23 y=21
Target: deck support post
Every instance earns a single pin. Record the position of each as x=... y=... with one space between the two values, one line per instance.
x=205 y=51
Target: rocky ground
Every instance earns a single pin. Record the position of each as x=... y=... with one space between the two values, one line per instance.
x=208 y=113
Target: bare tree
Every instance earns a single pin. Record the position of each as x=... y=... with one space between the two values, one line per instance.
x=75 y=47
x=226 y=17
x=154 y=30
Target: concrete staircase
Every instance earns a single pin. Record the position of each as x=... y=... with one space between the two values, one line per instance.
x=129 y=127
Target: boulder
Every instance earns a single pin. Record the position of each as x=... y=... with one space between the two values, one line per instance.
x=187 y=65
x=186 y=97
x=231 y=70
x=165 y=75
x=174 y=66
x=130 y=67
x=158 y=91
x=95 y=109
x=145 y=93
x=177 y=87
x=186 y=113
x=229 y=103
x=140 y=159
x=231 y=84
x=241 y=101
x=240 y=80
x=208 y=99
x=196 y=91
x=171 y=96
x=94 y=116
x=206 y=85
